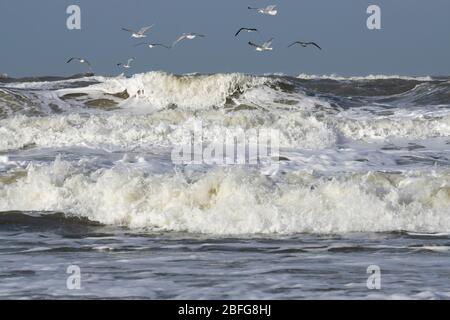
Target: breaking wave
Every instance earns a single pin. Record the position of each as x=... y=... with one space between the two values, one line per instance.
x=153 y=108
x=236 y=201
x=362 y=78
x=361 y=154
x=160 y=90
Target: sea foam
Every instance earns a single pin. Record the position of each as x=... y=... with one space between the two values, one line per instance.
x=237 y=201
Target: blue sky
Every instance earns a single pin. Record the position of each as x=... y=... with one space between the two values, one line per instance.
x=414 y=39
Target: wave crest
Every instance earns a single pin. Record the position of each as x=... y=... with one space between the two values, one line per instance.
x=160 y=90
x=234 y=201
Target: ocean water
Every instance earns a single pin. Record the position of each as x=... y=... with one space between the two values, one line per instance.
x=88 y=179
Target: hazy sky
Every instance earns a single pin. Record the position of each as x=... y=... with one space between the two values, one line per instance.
x=414 y=39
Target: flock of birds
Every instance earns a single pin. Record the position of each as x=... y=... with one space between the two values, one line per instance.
x=141 y=33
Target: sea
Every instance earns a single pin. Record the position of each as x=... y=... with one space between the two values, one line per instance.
x=350 y=201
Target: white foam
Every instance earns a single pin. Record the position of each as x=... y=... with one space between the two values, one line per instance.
x=129 y=131
x=361 y=78
x=234 y=201
x=158 y=90
x=297 y=128
x=49 y=85
x=409 y=126
x=328 y=185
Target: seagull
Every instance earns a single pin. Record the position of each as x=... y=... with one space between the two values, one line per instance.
x=138 y=34
x=152 y=45
x=188 y=36
x=305 y=44
x=80 y=60
x=126 y=65
x=246 y=29
x=269 y=10
x=266 y=46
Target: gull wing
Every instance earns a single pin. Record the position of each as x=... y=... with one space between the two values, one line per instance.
x=144 y=29
x=160 y=45
x=79 y=60
x=245 y=29
x=315 y=45
x=268 y=43
x=128 y=30
x=182 y=37
x=239 y=31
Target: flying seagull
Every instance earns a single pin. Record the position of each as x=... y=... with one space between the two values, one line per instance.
x=126 y=65
x=246 y=29
x=305 y=44
x=80 y=60
x=269 y=10
x=138 y=34
x=188 y=36
x=266 y=46
x=152 y=45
